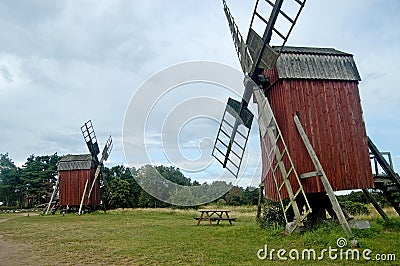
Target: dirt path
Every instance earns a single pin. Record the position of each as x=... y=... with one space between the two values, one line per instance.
x=10 y=251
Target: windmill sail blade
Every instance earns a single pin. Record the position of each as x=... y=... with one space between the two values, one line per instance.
x=244 y=116
x=234 y=131
x=90 y=138
x=255 y=43
x=253 y=55
x=241 y=48
x=278 y=27
x=232 y=136
x=107 y=150
x=104 y=156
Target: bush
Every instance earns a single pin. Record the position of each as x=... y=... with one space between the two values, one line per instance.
x=221 y=202
x=272 y=215
x=380 y=198
x=355 y=208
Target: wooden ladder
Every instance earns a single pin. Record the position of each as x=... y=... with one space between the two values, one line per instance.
x=278 y=159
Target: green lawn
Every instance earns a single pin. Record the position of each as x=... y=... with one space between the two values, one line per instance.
x=171 y=237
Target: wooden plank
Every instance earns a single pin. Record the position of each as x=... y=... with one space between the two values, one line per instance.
x=96 y=175
x=310 y=174
x=215 y=218
x=260 y=200
x=376 y=205
x=201 y=217
x=52 y=196
x=212 y=210
x=83 y=197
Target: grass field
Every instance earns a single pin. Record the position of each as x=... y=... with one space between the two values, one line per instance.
x=171 y=237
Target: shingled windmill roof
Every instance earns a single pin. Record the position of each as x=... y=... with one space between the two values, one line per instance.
x=76 y=162
x=316 y=63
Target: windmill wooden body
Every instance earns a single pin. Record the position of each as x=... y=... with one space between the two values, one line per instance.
x=320 y=85
x=74 y=171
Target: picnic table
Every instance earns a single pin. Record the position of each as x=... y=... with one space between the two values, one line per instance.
x=214 y=215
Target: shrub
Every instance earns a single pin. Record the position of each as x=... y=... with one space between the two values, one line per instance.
x=272 y=215
x=354 y=196
x=221 y=202
x=355 y=208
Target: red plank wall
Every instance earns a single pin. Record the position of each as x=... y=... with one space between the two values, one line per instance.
x=72 y=184
x=330 y=112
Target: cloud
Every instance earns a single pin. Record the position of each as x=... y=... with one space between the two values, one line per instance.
x=5 y=74
x=63 y=63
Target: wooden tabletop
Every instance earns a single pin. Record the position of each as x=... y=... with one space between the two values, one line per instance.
x=214 y=210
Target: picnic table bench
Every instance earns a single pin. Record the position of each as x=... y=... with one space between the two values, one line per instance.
x=214 y=215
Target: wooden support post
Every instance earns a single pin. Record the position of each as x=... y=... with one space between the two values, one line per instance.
x=83 y=197
x=376 y=205
x=96 y=175
x=260 y=200
x=325 y=182
x=52 y=196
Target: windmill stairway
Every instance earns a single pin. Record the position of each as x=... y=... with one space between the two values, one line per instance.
x=388 y=183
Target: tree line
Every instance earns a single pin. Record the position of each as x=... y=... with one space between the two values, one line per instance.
x=27 y=185
x=32 y=184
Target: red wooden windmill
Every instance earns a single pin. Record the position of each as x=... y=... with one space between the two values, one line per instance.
x=312 y=133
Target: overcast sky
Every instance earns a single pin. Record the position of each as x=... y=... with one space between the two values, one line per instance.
x=64 y=62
